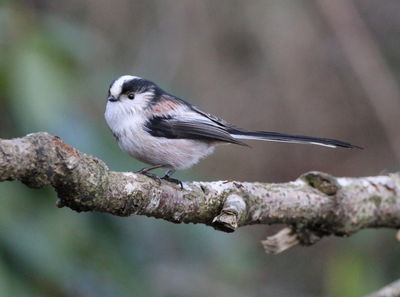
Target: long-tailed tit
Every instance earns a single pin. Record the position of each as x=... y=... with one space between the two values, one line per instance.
x=165 y=131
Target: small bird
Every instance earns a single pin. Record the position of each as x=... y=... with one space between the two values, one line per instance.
x=165 y=131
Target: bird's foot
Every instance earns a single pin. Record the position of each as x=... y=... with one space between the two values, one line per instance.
x=172 y=180
x=146 y=172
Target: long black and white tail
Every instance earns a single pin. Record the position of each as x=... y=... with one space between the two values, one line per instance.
x=279 y=137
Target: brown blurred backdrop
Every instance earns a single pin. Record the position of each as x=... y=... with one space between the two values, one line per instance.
x=318 y=68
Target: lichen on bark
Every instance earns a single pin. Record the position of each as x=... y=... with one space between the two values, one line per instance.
x=315 y=205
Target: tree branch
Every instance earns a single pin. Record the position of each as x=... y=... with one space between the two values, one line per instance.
x=315 y=205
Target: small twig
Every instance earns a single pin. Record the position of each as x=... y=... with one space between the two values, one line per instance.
x=281 y=241
x=232 y=211
x=391 y=290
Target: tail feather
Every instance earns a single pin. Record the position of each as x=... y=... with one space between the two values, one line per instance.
x=279 y=137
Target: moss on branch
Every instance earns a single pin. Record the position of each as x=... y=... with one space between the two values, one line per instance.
x=315 y=205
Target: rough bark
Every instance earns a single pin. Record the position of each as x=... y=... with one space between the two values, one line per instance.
x=314 y=205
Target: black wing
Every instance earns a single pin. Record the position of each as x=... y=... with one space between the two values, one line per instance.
x=240 y=133
x=176 y=127
x=171 y=100
x=214 y=118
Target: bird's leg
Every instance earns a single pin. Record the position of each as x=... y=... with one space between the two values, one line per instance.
x=168 y=177
x=145 y=171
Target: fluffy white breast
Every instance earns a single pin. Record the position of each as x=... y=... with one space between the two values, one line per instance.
x=127 y=125
x=121 y=116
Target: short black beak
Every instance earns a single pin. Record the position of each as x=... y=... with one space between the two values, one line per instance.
x=112 y=98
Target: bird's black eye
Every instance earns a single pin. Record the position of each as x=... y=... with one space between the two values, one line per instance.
x=131 y=95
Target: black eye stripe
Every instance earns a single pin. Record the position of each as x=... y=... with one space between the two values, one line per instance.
x=137 y=86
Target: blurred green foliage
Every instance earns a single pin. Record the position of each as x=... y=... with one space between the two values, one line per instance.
x=54 y=72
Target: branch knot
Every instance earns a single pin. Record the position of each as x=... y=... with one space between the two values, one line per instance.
x=323 y=182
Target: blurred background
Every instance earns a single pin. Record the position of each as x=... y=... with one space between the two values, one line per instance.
x=319 y=68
